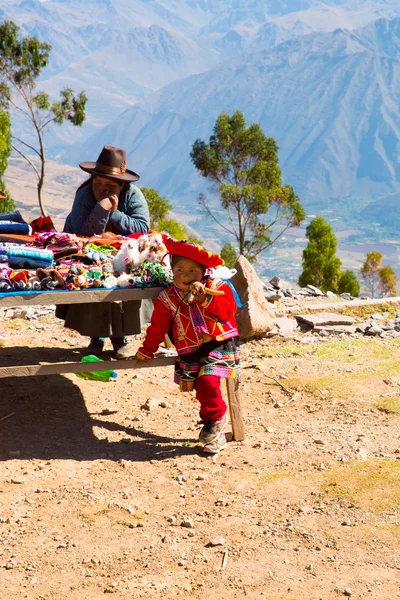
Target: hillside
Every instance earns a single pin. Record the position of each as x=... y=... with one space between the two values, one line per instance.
x=119 y=52
x=100 y=496
x=304 y=92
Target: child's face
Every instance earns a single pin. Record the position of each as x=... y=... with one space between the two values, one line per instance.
x=185 y=272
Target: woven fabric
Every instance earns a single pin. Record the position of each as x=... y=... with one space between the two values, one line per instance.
x=212 y=358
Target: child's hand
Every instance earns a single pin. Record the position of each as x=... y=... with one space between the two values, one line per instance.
x=141 y=358
x=197 y=292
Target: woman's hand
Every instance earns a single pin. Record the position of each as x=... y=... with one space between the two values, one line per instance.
x=109 y=203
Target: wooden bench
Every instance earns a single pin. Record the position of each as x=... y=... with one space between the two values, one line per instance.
x=47 y=298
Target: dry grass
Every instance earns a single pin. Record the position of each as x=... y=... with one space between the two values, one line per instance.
x=390 y=405
x=373 y=486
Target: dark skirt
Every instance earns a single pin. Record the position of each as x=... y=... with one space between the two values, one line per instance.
x=102 y=319
x=212 y=358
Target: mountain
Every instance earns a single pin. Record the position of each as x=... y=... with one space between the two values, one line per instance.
x=330 y=101
x=119 y=51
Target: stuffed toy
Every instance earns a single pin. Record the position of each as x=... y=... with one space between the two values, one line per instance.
x=143 y=247
x=124 y=280
x=54 y=276
x=157 y=250
x=127 y=257
x=110 y=282
x=5 y=278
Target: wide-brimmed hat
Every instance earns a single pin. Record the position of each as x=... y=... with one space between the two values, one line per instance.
x=112 y=164
x=192 y=251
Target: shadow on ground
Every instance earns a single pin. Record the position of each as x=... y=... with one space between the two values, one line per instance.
x=46 y=418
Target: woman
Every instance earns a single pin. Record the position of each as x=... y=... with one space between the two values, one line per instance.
x=108 y=201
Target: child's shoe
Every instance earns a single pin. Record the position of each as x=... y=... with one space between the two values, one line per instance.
x=211 y=430
x=216 y=446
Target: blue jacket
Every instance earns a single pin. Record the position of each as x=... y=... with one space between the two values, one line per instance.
x=88 y=217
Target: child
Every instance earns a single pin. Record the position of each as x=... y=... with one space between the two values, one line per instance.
x=198 y=313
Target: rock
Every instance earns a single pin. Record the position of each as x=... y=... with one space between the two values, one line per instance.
x=348 y=592
x=280 y=284
x=373 y=330
x=331 y=295
x=273 y=297
x=325 y=319
x=150 y=404
x=331 y=329
x=19 y=313
x=286 y=326
x=255 y=317
x=187 y=523
x=314 y=290
x=217 y=541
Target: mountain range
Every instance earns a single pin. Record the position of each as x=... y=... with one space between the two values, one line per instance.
x=329 y=99
x=321 y=77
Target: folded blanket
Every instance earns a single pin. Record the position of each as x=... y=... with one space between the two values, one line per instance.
x=13 y=227
x=22 y=257
x=15 y=216
x=14 y=238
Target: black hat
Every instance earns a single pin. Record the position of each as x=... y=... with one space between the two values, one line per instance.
x=112 y=164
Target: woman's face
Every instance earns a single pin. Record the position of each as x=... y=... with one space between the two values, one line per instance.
x=186 y=271
x=104 y=188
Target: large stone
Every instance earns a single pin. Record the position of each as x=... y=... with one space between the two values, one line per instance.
x=255 y=317
x=320 y=319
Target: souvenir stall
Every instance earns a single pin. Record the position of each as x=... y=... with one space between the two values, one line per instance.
x=41 y=266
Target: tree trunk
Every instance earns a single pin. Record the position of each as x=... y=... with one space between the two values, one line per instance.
x=41 y=178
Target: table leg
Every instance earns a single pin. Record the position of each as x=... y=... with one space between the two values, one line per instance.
x=232 y=387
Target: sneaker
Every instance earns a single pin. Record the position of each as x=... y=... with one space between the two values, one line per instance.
x=216 y=446
x=211 y=430
x=96 y=346
x=123 y=352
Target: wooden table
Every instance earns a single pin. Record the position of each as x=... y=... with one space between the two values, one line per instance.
x=49 y=298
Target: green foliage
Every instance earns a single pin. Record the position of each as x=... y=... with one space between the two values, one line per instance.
x=387 y=281
x=379 y=280
x=159 y=208
x=348 y=283
x=178 y=231
x=228 y=253
x=321 y=267
x=6 y=203
x=243 y=163
x=21 y=63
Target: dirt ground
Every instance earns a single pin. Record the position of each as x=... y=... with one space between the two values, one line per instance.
x=98 y=495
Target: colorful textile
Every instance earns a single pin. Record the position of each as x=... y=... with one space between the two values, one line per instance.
x=14 y=216
x=42 y=224
x=14 y=238
x=212 y=358
x=150 y=274
x=13 y=227
x=189 y=324
x=24 y=257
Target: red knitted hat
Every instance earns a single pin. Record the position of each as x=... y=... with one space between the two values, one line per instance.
x=192 y=251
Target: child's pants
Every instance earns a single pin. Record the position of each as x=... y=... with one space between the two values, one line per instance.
x=208 y=393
